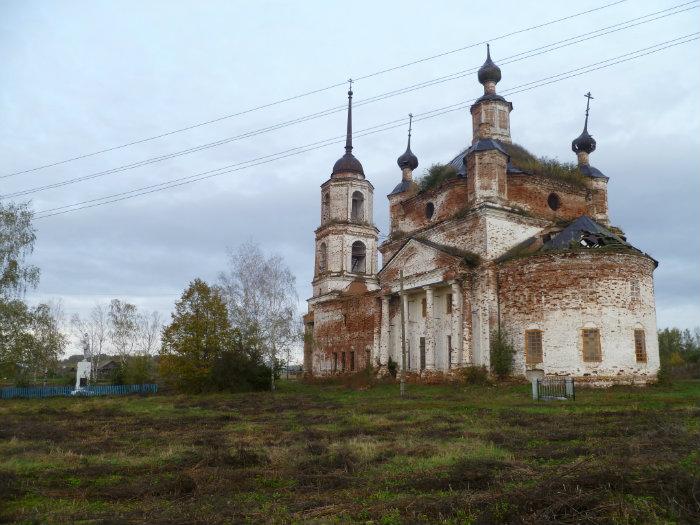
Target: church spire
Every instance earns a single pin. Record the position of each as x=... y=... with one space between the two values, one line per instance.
x=408 y=161
x=348 y=163
x=348 y=137
x=584 y=143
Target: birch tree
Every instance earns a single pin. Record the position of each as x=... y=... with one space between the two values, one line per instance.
x=150 y=327
x=123 y=328
x=262 y=300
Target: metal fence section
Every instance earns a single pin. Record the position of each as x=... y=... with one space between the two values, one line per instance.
x=554 y=389
x=88 y=391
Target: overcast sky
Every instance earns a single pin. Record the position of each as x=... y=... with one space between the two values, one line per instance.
x=82 y=76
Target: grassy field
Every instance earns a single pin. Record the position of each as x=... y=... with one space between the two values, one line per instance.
x=329 y=454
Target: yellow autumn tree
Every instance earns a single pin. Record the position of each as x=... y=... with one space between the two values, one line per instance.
x=201 y=351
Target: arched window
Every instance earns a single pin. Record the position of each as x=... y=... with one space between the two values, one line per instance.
x=358 y=259
x=322 y=257
x=358 y=207
x=326 y=207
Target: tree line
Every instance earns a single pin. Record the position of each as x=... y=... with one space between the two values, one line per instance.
x=233 y=334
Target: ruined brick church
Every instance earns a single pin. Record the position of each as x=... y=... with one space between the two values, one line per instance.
x=504 y=242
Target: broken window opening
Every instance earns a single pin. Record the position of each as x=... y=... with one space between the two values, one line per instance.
x=640 y=347
x=424 y=307
x=448 y=303
x=358 y=207
x=591 y=345
x=335 y=361
x=422 y=353
x=358 y=258
x=322 y=257
x=533 y=347
x=342 y=361
x=429 y=210
x=352 y=361
x=553 y=201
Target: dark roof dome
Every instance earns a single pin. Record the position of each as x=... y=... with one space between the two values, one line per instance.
x=584 y=142
x=407 y=160
x=489 y=72
x=347 y=164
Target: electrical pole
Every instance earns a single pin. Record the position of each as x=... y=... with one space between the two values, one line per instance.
x=403 y=337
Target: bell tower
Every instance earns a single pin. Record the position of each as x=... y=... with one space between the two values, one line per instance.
x=346 y=240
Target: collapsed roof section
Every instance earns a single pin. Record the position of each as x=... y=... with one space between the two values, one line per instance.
x=582 y=234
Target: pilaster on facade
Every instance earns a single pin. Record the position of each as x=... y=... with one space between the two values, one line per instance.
x=406 y=366
x=384 y=336
x=429 y=329
x=456 y=352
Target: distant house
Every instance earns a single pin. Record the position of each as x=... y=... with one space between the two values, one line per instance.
x=294 y=370
x=105 y=370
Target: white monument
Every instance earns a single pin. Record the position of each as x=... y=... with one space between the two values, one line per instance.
x=82 y=374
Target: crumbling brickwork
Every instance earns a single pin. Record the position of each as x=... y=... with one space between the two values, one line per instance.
x=492 y=248
x=343 y=333
x=562 y=294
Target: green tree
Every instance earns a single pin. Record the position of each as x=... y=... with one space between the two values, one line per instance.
x=17 y=236
x=201 y=351
x=30 y=341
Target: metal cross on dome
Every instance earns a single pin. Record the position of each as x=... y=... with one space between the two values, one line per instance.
x=588 y=102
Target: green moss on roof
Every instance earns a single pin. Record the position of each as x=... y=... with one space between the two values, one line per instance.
x=525 y=161
x=436 y=175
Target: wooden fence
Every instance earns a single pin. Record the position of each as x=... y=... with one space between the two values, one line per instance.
x=88 y=391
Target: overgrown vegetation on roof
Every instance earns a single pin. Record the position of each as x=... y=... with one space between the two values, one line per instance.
x=522 y=159
x=436 y=175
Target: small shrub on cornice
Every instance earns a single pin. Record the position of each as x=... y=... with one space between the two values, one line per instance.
x=436 y=175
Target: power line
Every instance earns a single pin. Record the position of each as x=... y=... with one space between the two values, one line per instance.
x=315 y=91
x=108 y=199
x=634 y=22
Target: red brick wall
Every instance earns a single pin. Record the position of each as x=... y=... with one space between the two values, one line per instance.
x=346 y=325
x=531 y=192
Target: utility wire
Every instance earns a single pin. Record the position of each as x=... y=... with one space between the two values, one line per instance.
x=315 y=91
x=368 y=131
x=421 y=85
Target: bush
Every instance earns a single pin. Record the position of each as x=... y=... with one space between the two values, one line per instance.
x=393 y=367
x=436 y=175
x=237 y=372
x=502 y=352
x=473 y=375
x=138 y=370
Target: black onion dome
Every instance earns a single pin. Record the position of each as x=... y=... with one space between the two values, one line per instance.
x=584 y=142
x=489 y=71
x=347 y=164
x=407 y=159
